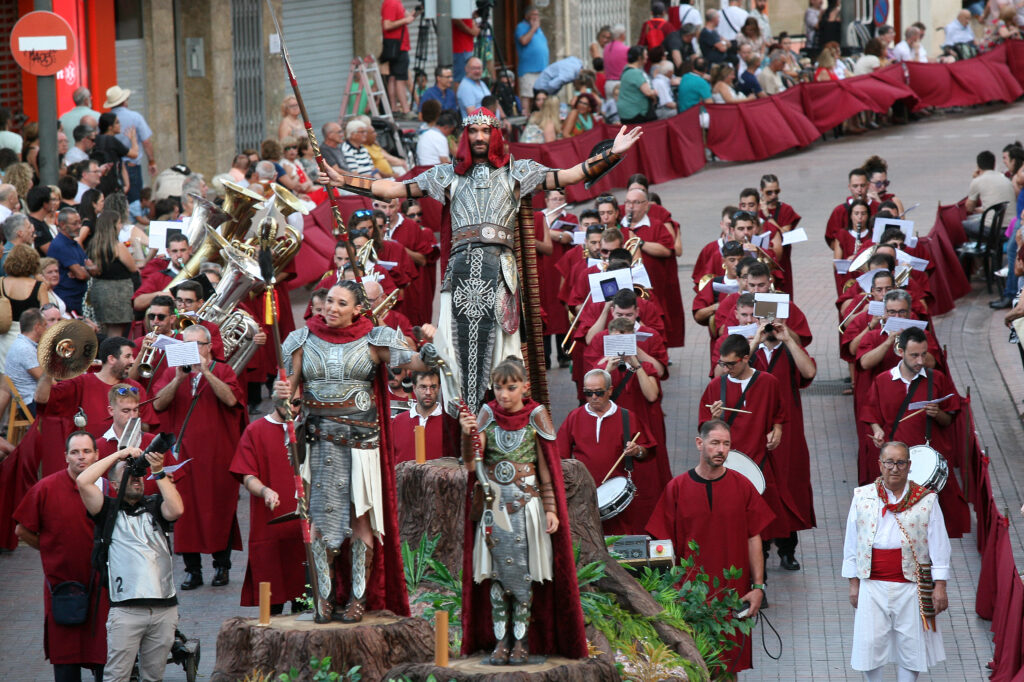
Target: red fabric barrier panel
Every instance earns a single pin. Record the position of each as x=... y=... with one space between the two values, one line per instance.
x=758 y=129
x=1007 y=639
x=985 y=602
x=946 y=234
x=1015 y=58
x=829 y=103
x=984 y=505
x=963 y=83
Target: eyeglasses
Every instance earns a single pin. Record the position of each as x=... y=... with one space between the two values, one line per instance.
x=895 y=464
x=125 y=390
x=203 y=343
x=728 y=365
x=599 y=392
x=742 y=215
x=159 y=317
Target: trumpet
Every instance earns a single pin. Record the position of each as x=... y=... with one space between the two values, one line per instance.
x=146 y=366
x=385 y=305
x=633 y=246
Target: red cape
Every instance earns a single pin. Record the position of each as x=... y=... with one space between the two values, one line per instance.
x=556 y=624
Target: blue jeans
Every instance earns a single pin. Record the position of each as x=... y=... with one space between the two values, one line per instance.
x=135 y=182
x=1012 y=285
x=459 y=60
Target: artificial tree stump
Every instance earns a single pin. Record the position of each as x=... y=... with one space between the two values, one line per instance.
x=473 y=669
x=381 y=641
x=431 y=500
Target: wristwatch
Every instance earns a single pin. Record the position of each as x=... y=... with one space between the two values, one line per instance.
x=157 y=475
x=759 y=586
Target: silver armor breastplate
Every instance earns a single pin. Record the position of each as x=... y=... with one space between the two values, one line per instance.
x=333 y=372
x=484 y=195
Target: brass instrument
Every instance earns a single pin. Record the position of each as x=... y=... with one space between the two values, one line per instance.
x=286 y=202
x=67 y=349
x=204 y=212
x=861 y=260
x=241 y=275
x=864 y=299
x=146 y=360
x=902 y=276
x=633 y=246
x=380 y=310
x=283 y=250
x=642 y=291
x=240 y=203
x=238 y=333
x=705 y=280
x=208 y=250
x=366 y=254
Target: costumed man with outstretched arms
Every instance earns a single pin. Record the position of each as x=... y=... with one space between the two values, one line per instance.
x=483 y=285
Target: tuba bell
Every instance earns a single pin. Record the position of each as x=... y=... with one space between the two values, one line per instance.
x=286 y=202
x=204 y=212
x=240 y=203
x=241 y=275
x=208 y=251
x=238 y=332
x=67 y=349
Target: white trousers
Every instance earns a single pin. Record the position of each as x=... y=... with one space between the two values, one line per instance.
x=887 y=628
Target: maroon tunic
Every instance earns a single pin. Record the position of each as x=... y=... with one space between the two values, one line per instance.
x=568 y=266
x=416 y=303
x=210 y=492
x=750 y=433
x=792 y=456
x=155 y=277
x=725 y=317
x=556 y=622
x=664 y=274
x=106 y=447
x=709 y=262
x=276 y=552
x=882 y=407
x=404 y=437
x=783 y=216
x=839 y=219
x=580 y=438
x=720 y=516
x=557 y=320
x=53 y=508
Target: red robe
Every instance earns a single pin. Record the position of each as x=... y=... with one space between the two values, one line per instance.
x=720 y=516
x=664 y=274
x=782 y=216
x=54 y=509
x=792 y=457
x=579 y=438
x=848 y=243
x=883 y=404
x=106 y=447
x=404 y=273
x=18 y=473
x=706 y=297
x=557 y=320
x=156 y=276
x=210 y=492
x=750 y=434
x=404 y=437
x=415 y=303
x=709 y=262
x=276 y=552
x=88 y=391
x=839 y=219
x=653 y=346
x=568 y=266
x=725 y=317
x=556 y=623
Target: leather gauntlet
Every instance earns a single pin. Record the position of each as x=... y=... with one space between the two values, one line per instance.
x=358 y=184
x=595 y=166
x=547 y=496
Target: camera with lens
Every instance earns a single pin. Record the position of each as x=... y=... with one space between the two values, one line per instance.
x=137 y=466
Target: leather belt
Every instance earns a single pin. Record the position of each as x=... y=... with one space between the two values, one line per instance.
x=342 y=405
x=515 y=473
x=314 y=434
x=483 y=233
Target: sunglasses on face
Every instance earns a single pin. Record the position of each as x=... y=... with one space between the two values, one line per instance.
x=599 y=392
x=414 y=215
x=361 y=232
x=159 y=317
x=772 y=192
x=290 y=147
x=125 y=390
x=880 y=183
x=362 y=213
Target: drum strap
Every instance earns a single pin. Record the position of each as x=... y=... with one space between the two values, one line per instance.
x=724 y=387
x=627 y=461
x=622 y=385
x=906 y=401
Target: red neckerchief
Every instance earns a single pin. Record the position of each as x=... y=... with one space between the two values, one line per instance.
x=359 y=327
x=513 y=421
x=915 y=495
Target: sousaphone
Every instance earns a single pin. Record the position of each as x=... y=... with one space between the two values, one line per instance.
x=67 y=349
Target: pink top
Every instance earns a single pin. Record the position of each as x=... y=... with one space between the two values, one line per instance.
x=614 y=59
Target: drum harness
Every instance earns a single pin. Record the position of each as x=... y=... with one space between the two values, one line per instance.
x=906 y=402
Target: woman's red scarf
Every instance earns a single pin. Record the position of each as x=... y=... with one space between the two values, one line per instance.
x=359 y=327
x=916 y=494
x=513 y=421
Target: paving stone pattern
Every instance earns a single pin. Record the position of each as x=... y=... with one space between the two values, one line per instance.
x=930 y=161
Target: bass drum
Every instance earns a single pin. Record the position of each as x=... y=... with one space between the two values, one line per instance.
x=928 y=467
x=742 y=464
x=614 y=495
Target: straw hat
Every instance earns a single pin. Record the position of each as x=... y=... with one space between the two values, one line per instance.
x=116 y=96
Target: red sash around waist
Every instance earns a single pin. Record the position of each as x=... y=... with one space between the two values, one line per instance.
x=887 y=565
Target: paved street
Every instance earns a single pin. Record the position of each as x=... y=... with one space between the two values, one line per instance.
x=930 y=161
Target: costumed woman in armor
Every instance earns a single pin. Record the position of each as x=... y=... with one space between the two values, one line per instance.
x=520 y=551
x=338 y=369
x=484 y=246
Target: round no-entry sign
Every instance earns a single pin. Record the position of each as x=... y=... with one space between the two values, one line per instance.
x=42 y=43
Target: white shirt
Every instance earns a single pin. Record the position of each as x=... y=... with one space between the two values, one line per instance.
x=391 y=230
x=958 y=33
x=889 y=536
x=74 y=155
x=431 y=146
x=742 y=382
x=82 y=189
x=645 y=221
x=5 y=213
x=902 y=53
x=663 y=87
x=731 y=15
x=898 y=376
x=436 y=412
x=768 y=350
x=600 y=417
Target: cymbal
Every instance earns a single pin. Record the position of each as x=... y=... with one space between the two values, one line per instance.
x=67 y=349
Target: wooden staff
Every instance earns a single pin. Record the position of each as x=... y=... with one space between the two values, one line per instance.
x=614 y=466
x=912 y=414
x=732 y=409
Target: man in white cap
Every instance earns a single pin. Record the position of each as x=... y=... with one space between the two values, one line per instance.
x=117 y=97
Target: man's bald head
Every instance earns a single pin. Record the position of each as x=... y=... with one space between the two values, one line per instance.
x=373 y=291
x=637 y=203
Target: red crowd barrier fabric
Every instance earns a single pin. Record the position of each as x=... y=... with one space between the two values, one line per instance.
x=964 y=83
x=1014 y=51
x=829 y=103
x=1007 y=639
x=985 y=601
x=758 y=129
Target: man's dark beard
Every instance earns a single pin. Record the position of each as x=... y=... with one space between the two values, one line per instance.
x=478 y=154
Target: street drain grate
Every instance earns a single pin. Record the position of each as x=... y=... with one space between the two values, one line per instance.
x=829 y=387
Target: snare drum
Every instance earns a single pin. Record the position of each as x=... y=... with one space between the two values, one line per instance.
x=742 y=464
x=928 y=467
x=614 y=495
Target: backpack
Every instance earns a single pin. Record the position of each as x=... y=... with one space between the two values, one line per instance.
x=652 y=34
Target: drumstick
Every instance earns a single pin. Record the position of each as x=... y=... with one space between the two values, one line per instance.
x=732 y=409
x=614 y=466
x=912 y=414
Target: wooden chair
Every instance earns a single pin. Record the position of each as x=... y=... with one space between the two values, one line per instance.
x=18 y=416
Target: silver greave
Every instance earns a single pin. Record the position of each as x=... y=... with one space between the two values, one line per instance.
x=520 y=618
x=358 y=568
x=499 y=610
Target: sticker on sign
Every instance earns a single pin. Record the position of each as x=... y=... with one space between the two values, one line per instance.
x=41 y=43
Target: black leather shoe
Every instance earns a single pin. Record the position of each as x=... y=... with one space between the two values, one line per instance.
x=1001 y=304
x=789 y=562
x=220 y=578
x=193 y=581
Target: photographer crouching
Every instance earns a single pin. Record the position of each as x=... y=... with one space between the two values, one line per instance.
x=133 y=553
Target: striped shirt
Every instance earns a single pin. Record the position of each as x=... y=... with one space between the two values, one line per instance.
x=357 y=159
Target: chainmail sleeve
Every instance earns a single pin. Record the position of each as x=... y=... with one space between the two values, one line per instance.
x=394 y=341
x=435 y=182
x=529 y=174
x=292 y=343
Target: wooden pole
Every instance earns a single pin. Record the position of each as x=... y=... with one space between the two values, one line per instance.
x=441 y=638
x=264 y=604
x=420 y=434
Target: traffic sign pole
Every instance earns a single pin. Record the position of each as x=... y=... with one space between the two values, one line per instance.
x=46 y=97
